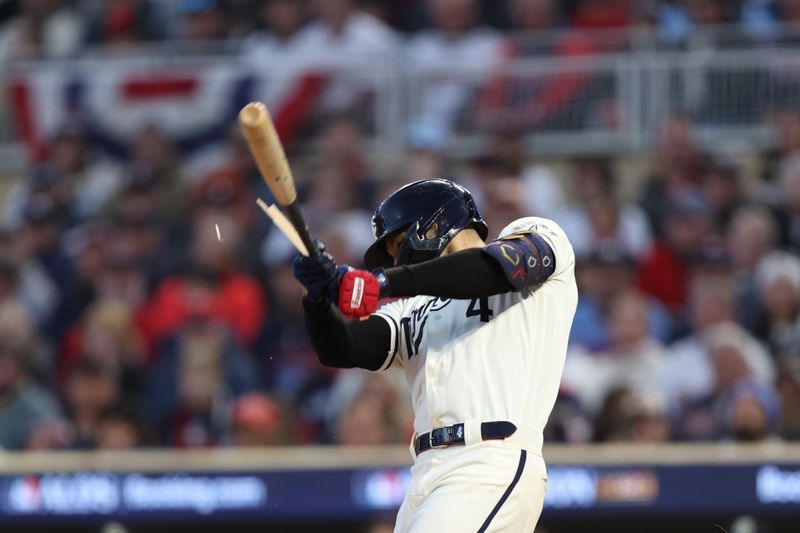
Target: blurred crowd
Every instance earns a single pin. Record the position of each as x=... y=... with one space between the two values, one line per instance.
x=146 y=301
x=31 y=29
x=456 y=50
x=128 y=321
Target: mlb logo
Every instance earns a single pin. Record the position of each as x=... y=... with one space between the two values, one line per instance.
x=24 y=495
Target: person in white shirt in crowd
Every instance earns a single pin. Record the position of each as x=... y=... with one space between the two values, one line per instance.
x=598 y=218
x=634 y=359
x=308 y=62
x=452 y=58
x=279 y=53
x=735 y=380
x=277 y=42
x=42 y=29
x=81 y=180
x=778 y=281
x=712 y=311
x=343 y=37
x=751 y=235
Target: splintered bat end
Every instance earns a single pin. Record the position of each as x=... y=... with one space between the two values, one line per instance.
x=252 y=113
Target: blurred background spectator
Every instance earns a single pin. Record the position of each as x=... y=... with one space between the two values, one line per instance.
x=41 y=29
x=632 y=358
x=456 y=43
x=23 y=401
x=122 y=23
x=629 y=416
x=257 y=420
x=126 y=321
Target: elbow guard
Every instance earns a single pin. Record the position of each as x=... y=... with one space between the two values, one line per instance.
x=526 y=259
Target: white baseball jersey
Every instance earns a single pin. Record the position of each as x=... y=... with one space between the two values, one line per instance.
x=488 y=359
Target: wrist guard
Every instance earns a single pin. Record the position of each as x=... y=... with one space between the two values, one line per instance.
x=383 y=283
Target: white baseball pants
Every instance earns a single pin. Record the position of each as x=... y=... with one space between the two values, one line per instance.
x=487 y=487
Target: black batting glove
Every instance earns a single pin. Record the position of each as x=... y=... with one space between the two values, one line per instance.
x=317 y=274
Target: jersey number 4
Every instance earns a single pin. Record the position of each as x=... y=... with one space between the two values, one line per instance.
x=483 y=310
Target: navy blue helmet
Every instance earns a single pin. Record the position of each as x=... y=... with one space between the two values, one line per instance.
x=415 y=208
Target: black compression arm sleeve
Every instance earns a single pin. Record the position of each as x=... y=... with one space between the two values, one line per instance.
x=360 y=343
x=366 y=343
x=467 y=274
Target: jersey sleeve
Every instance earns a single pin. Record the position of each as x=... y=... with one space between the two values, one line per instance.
x=555 y=237
x=393 y=313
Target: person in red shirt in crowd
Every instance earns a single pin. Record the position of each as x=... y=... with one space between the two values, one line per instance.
x=216 y=286
x=229 y=294
x=123 y=23
x=665 y=272
x=199 y=371
x=603 y=14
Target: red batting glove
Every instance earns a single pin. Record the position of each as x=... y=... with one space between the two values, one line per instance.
x=358 y=293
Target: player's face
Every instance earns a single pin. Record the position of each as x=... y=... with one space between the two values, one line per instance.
x=394 y=243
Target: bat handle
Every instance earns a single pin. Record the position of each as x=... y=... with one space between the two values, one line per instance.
x=296 y=218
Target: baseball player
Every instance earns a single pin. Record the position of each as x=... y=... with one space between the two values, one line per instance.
x=480 y=331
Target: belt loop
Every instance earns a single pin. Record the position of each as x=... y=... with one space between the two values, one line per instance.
x=472 y=432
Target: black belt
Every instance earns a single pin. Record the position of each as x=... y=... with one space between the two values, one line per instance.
x=449 y=435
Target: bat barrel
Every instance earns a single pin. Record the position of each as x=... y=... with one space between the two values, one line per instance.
x=267 y=151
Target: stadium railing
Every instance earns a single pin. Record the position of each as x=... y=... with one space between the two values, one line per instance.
x=730 y=83
x=609 y=103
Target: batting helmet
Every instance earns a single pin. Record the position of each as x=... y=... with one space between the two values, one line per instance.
x=415 y=208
